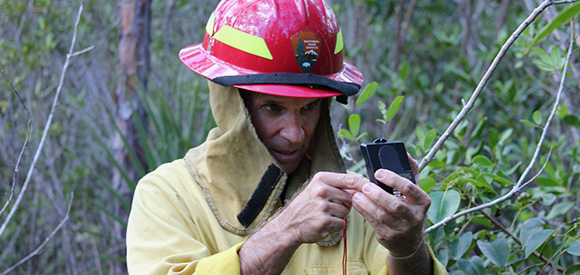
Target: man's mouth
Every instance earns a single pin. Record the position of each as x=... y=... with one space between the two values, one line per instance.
x=286 y=155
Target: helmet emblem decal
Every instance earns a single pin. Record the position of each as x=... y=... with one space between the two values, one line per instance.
x=306 y=47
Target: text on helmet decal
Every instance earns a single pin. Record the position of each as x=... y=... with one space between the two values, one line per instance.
x=306 y=47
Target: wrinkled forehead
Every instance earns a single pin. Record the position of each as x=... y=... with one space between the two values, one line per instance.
x=261 y=98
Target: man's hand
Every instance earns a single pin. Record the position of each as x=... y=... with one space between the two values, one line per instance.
x=311 y=216
x=320 y=208
x=398 y=221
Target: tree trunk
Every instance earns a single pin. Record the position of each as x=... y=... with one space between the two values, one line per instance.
x=133 y=71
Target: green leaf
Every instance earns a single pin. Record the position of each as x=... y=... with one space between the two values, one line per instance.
x=343 y=133
x=537 y=117
x=473 y=266
x=545 y=65
x=481 y=220
x=536 y=240
x=443 y=205
x=427 y=184
x=429 y=138
x=562 y=110
x=497 y=251
x=476 y=133
x=527 y=122
x=420 y=134
x=529 y=227
x=559 y=210
x=437 y=164
x=573 y=270
x=354 y=124
x=394 y=108
x=482 y=160
x=548 y=182
x=503 y=181
x=459 y=246
x=574 y=249
x=543 y=55
x=557 y=59
x=367 y=93
x=403 y=70
x=572 y=120
x=565 y=15
x=383 y=108
x=505 y=136
x=439 y=87
x=480 y=183
x=548 y=198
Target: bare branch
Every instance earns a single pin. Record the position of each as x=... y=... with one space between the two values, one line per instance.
x=43 y=244
x=467 y=107
x=554 y=109
x=25 y=140
x=509 y=233
x=565 y=2
x=521 y=184
x=513 y=191
x=46 y=128
x=82 y=51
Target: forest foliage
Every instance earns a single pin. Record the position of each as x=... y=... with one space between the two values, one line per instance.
x=422 y=60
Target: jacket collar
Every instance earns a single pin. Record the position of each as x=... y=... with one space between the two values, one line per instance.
x=242 y=182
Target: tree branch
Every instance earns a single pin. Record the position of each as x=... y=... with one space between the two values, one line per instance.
x=509 y=233
x=43 y=244
x=25 y=140
x=565 y=2
x=513 y=191
x=521 y=184
x=47 y=126
x=467 y=107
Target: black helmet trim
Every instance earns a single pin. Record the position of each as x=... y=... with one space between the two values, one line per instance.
x=307 y=79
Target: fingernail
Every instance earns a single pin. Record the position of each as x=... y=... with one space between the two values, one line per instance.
x=380 y=174
x=367 y=188
x=356 y=197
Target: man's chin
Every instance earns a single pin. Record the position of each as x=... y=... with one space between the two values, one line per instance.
x=290 y=161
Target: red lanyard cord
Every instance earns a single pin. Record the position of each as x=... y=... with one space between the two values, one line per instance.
x=344 y=253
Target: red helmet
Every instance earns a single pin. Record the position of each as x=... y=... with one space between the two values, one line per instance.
x=285 y=47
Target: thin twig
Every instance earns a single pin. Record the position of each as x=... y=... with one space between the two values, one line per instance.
x=554 y=108
x=565 y=2
x=47 y=126
x=517 y=240
x=521 y=184
x=43 y=244
x=82 y=51
x=483 y=82
x=513 y=191
x=25 y=140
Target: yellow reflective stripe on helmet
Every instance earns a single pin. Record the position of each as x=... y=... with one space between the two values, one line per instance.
x=339 y=43
x=243 y=41
x=209 y=25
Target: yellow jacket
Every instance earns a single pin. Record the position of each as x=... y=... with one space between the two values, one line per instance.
x=192 y=215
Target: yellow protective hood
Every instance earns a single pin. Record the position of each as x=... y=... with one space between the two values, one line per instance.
x=242 y=182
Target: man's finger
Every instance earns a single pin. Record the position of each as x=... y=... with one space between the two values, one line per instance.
x=411 y=191
x=341 y=181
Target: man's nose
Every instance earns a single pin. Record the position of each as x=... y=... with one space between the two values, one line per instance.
x=292 y=129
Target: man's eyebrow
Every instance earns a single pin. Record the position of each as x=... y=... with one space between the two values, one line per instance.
x=272 y=101
x=316 y=101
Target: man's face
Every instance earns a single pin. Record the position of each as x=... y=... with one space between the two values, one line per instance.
x=284 y=124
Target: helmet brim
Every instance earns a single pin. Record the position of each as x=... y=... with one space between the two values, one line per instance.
x=200 y=61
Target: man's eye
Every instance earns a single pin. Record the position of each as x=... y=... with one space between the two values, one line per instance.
x=311 y=105
x=272 y=107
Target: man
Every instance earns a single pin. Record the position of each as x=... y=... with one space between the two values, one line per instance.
x=267 y=193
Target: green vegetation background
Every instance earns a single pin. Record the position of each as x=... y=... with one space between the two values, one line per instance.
x=433 y=53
